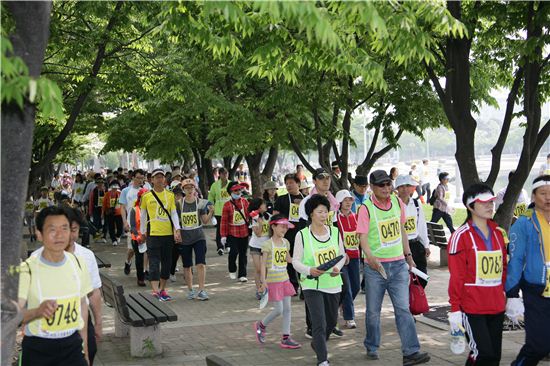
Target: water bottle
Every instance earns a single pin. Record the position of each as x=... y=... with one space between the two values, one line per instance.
x=458 y=341
x=214 y=221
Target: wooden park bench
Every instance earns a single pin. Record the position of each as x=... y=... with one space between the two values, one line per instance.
x=138 y=315
x=436 y=235
x=102 y=262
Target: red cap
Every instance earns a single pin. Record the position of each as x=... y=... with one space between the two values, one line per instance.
x=236 y=187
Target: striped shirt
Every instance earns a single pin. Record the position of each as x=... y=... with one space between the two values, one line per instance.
x=276 y=260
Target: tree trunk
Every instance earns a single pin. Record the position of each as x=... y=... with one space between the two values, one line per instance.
x=269 y=166
x=534 y=136
x=32 y=23
x=254 y=162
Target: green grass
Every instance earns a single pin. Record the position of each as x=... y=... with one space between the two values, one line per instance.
x=458 y=217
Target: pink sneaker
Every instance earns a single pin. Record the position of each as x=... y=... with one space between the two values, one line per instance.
x=164 y=296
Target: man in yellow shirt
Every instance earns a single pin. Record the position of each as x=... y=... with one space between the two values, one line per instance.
x=159 y=224
x=52 y=296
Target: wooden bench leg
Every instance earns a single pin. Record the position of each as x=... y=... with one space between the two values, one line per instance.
x=121 y=330
x=443 y=257
x=145 y=341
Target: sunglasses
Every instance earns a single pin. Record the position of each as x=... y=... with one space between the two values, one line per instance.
x=381 y=185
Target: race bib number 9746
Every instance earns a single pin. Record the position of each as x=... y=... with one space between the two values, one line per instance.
x=65 y=318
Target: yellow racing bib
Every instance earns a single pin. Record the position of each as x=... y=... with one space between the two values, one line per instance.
x=330 y=218
x=520 y=209
x=447 y=196
x=238 y=219
x=546 y=292
x=189 y=220
x=279 y=258
x=324 y=255
x=410 y=225
x=265 y=228
x=294 y=212
x=489 y=268
x=65 y=318
x=390 y=232
x=351 y=240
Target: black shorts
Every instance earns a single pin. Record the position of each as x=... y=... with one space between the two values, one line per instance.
x=38 y=351
x=255 y=251
x=186 y=252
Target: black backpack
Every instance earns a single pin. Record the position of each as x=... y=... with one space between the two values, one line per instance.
x=433 y=198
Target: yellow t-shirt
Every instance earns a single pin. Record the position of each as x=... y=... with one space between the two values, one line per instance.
x=66 y=282
x=158 y=218
x=276 y=260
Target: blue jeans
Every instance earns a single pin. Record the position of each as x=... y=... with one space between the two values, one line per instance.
x=397 y=286
x=352 y=277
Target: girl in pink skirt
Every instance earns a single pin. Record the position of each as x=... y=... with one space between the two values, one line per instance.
x=274 y=277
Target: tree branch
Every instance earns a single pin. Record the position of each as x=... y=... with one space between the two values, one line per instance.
x=298 y=152
x=123 y=45
x=496 y=151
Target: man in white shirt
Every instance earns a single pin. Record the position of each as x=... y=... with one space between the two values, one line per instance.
x=415 y=224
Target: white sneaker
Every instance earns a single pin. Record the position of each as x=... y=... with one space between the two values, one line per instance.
x=226 y=250
x=233 y=275
x=115 y=243
x=350 y=324
x=103 y=241
x=243 y=279
x=324 y=363
x=173 y=278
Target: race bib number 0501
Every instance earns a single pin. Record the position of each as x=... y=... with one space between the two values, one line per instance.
x=324 y=255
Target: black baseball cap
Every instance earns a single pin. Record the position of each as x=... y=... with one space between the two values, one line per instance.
x=157 y=171
x=320 y=173
x=361 y=180
x=379 y=176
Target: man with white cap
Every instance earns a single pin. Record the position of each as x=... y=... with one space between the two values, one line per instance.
x=112 y=212
x=529 y=270
x=415 y=224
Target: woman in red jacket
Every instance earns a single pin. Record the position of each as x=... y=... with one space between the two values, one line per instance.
x=477 y=264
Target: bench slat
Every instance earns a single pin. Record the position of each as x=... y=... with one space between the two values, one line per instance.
x=135 y=319
x=102 y=263
x=159 y=305
x=150 y=308
x=148 y=319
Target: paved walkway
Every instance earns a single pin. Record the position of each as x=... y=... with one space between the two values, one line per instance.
x=223 y=325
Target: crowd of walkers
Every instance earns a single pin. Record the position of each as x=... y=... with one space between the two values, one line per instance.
x=309 y=239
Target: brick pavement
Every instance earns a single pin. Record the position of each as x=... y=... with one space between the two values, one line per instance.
x=223 y=325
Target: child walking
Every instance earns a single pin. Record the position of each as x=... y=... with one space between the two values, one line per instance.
x=274 y=277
